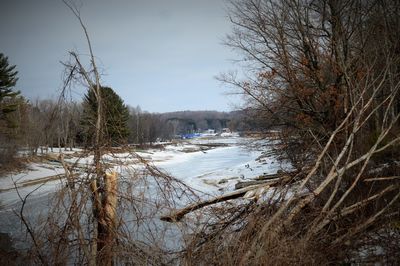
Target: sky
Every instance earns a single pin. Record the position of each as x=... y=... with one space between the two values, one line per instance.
x=162 y=55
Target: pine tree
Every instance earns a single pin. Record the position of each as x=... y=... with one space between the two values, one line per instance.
x=9 y=116
x=116 y=114
x=8 y=80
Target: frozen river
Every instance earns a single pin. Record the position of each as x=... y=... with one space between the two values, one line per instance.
x=205 y=170
x=210 y=171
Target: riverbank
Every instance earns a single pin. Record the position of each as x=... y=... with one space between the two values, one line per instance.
x=209 y=166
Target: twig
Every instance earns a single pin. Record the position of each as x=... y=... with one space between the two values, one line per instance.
x=381 y=178
x=26 y=223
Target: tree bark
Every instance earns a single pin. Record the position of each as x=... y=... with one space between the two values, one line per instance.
x=107 y=220
x=179 y=214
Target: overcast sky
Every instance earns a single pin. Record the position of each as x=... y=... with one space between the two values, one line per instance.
x=160 y=54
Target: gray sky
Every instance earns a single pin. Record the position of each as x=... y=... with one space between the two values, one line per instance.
x=159 y=54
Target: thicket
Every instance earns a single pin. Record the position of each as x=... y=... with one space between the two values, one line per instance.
x=324 y=75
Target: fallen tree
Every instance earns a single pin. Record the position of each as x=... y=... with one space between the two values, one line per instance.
x=318 y=73
x=247 y=189
x=176 y=216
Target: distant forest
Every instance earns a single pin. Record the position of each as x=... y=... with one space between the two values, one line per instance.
x=42 y=124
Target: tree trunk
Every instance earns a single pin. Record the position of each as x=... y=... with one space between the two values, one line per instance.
x=107 y=220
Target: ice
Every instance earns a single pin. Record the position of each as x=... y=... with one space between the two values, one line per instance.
x=211 y=168
x=37 y=179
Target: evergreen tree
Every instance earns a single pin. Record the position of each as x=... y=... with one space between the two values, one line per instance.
x=8 y=81
x=10 y=113
x=116 y=115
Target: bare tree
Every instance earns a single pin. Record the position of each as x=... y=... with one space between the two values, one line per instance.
x=318 y=72
x=100 y=185
x=98 y=218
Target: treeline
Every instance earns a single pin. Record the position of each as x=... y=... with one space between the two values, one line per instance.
x=37 y=126
x=43 y=124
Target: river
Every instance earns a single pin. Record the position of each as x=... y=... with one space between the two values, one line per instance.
x=202 y=170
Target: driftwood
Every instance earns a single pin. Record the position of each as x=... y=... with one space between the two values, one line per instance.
x=279 y=174
x=243 y=184
x=179 y=214
x=268 y=177
x=271 y=180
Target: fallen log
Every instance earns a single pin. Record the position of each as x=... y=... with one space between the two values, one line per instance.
x=271 y=180
x=268 y=177
x=243 y=184
x=179 y=214
x=279 y=174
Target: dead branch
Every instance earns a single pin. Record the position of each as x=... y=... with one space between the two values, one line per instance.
x=351 y=209
x=368 y=222
x=386 y=178
x=178 y=215
x=283 y=179
x=28 y=227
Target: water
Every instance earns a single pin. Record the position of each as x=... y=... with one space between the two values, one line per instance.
x=212 y=161
x=231 y=161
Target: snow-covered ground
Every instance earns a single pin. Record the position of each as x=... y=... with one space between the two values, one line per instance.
x=206 y=164
x=37 y=179
x=211 y=165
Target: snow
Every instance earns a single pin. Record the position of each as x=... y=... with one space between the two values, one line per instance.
x=39 y=178
x=212 y=168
